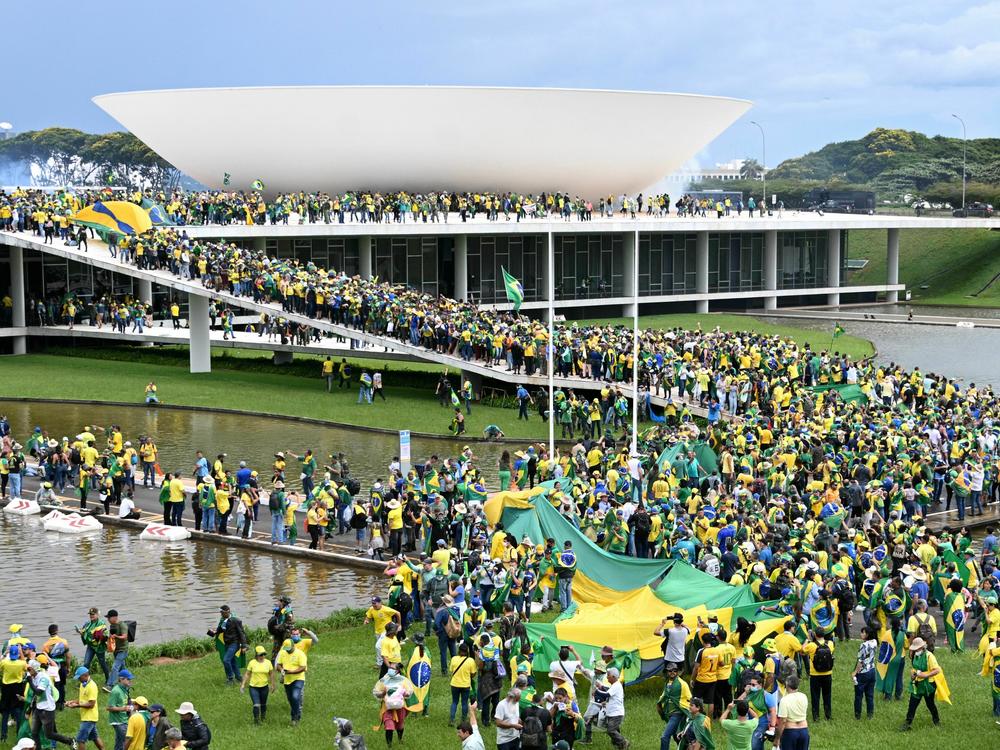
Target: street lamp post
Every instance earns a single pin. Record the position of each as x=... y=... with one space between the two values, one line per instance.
x=964 y=143
x=763 y=156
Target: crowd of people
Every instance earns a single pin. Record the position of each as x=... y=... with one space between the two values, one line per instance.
x=817 y=503
x=48 y=213
x=810 y=482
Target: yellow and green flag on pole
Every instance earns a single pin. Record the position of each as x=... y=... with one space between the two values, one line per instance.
x=515 y=292
x=838 y=330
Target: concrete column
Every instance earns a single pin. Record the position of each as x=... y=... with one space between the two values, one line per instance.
x=144 y=290
x=892 y=264
x=461 y=268
x=629 y=259
x=20 y=343
x=477 y=383
x=200 y=345
x=771 y=268
x=701 y=271
x=833 y=265
x=550 y=264
x=365 y=256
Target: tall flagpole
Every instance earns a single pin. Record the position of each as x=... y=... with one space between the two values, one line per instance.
x=551 y=348
x=635 y=345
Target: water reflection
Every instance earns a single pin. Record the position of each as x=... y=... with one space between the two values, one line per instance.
x=178 y=434
x=171 y=589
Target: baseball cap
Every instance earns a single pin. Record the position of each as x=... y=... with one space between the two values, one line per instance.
x=125 y=674
x=80 y=672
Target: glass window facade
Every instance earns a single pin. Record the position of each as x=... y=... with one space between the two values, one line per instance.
x=522 y=255
x=413 y=261
x=667 y=263
x=802 y=259
x=589 y=266
x=735 y=261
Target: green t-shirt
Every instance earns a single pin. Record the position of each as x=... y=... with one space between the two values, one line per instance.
x=121 y=644
x=739 y=733
x=118 y=697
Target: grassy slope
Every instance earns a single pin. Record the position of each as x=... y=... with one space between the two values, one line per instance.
x=953 y=264
x=47 y=376
x=341 y=677
x=852 y=345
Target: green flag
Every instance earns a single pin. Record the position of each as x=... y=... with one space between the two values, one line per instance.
x=454 y=399
x=838 y=330
x=515 y=292
x=225 y=178
x=257 y=185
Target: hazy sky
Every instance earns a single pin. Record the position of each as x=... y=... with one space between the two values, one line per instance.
x=816 y=72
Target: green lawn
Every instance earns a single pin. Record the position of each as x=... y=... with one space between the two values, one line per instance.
x=952 y=264
x=852 y=345
x=266 y=393
x=341 y=676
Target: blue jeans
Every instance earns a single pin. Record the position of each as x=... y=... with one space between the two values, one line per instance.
x=565 y=593
x=15 y=485
x=277 y=528
x=88 y=657
x=294 y=694
x=757 y=738
x=307 y=486
x=448 y=650
x=865 y=689
x=120 y=731
x=258 y=696
x=673 y=723
x=974 y=501
x=229 y=662
x=208 y=519
x=116 y=667
x=457 y=694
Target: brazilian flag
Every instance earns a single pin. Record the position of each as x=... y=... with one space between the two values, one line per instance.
x=954 y=619
x=889 y=661
x=454 y=399
x=515 y=292
x=220 y=647
x=823 y=616
x=257 y=185
x=419 y=672
x=838 y=330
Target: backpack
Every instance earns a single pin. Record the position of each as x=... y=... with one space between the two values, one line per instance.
x=452 y=627
x=823 y=658
x=788 y=669
x=130 y=626
x=844 y=594
x=925 y=631
x=274 y=502
x=355 y=742
x=532 y=733
x=642 y=523
x=353 y=486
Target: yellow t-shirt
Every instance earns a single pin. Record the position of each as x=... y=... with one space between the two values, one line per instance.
x=177 y=490
x=293 y=660
x=260 y=672
x=461 y=669
x=809 y=650
x=380 y=617
x=13 y=671
x=727 y=653
x=87 y=694
x=392 y=652
x=135 y=731
x=708 y=665
x=787 y=644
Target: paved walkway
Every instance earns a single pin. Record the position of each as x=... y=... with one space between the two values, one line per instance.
x=842 y=314
x=99 y=257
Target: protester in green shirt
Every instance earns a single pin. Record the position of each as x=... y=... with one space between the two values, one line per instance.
x=739 y=731
x=118 y=707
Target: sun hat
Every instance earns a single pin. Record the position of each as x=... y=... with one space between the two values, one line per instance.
x=187 y=707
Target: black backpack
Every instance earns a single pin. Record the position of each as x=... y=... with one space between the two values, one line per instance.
x=641 y=523
x=130 y=627
x=823 y=658
x=533 y=732
x=925 y=631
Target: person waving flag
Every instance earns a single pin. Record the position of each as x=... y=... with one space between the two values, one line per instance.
x=515 y=292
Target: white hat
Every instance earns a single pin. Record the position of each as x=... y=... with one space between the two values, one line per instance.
x=25 y=743
x=187 y=707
